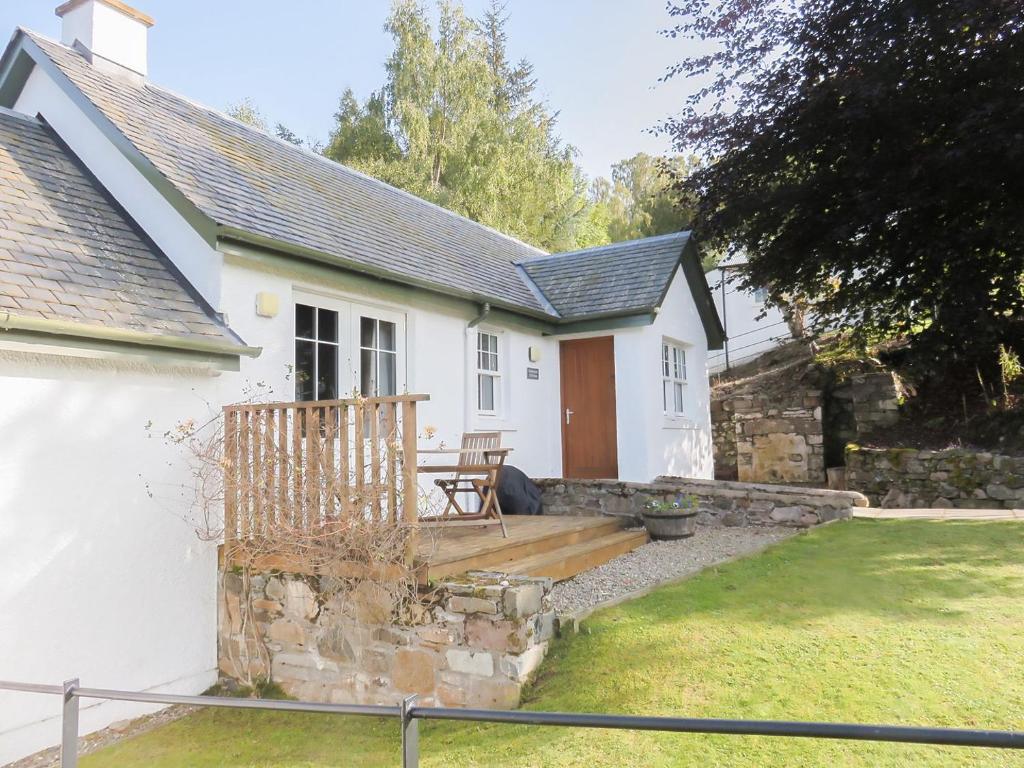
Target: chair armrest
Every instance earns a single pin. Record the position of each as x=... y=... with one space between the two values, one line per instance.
x=451 y=468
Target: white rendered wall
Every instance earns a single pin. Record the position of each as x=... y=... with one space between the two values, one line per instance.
x=680 y=446
x=437 y=357
x=749 y=334
x=649 y=442
x=199 y=262
x=105 y=577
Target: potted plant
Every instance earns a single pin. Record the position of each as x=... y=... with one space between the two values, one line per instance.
x=675 y=519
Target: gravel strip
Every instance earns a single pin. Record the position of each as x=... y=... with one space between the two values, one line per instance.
x=659 y=562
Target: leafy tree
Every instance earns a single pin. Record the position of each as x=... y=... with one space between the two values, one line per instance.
x=511 y=87
x=867 y=154
x=361 y=130
x=455 y=123
x=246 y=111
x=641 y=199
x=284 y=132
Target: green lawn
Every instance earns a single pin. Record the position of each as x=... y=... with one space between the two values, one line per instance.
x=871 y=621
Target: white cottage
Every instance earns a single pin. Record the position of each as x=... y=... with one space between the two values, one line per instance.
x=752 y=325
x=159 y=260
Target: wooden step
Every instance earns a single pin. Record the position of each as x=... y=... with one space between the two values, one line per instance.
x=569 y=561
x=458 y=552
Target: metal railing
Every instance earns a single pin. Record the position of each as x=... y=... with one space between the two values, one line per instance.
x=410 y=715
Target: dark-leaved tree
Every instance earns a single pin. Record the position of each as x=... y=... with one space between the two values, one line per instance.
x=868 y=155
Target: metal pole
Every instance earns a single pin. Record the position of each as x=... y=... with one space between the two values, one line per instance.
x=410 y=734
x=69 y=726
x=725 y=322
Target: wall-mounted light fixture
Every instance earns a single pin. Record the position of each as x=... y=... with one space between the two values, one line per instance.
x=267 y=304
x=534 y=354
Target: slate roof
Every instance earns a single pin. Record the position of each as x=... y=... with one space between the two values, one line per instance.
x=68 y=254
x=237 y=183
x=617 y=279
x=246 y=180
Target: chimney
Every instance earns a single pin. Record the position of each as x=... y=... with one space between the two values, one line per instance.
x=109 y=31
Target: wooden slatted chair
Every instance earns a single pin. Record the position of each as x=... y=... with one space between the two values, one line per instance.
x=478 y=472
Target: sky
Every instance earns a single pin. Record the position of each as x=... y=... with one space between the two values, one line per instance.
x=597 y=62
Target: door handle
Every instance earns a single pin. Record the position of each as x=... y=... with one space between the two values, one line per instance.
x=568 y=416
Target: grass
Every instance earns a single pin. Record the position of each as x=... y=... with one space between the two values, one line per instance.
x=904 y=622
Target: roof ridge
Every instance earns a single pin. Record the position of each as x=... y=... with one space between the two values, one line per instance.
x=147 y=83
x=620 y=244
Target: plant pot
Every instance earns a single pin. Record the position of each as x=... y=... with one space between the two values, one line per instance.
x=670 y=523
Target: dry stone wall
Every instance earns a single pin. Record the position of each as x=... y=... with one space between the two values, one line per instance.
x=475 y=643
x=860 y=405
x=784 y=418
x=768 y=427
x=718 y=502
x=912 y=478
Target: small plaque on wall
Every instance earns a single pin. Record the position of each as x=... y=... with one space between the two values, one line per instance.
x=533 y=373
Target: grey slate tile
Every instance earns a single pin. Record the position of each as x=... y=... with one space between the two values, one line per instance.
x=611 y=279
x=66 y=253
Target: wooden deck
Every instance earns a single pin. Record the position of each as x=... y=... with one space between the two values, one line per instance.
x=554 y=546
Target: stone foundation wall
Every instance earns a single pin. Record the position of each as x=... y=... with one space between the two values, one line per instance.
x=475 y=643
x=908 y=478
x=718 y=502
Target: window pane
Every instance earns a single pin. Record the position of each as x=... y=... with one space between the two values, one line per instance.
x=367 y=332
x=682 y=363
x=368 y=372
x=327 y=325
x=679 y=397
x=387 y=336
x=487 y=342
x=305 y=352
x=304 y=321
x=488 y=361
x=327 y=372
x=664 y=394
x=486 y=399
x=387 y=367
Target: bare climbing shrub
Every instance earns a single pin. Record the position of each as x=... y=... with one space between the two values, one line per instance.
x=315 y=489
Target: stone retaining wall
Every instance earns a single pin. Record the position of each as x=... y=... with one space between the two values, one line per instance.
x=861 y=404
x=719 y=502
x=475 y=644
x=773 y=437
x=908 y=477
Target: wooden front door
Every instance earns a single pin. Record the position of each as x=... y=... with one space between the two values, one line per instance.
x=589 y=447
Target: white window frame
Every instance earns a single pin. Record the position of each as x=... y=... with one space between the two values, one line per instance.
x=402 y=342
x=349 y=310
x=316 y=341
x=497 y=373
x=674 y=382
x=377 y=351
